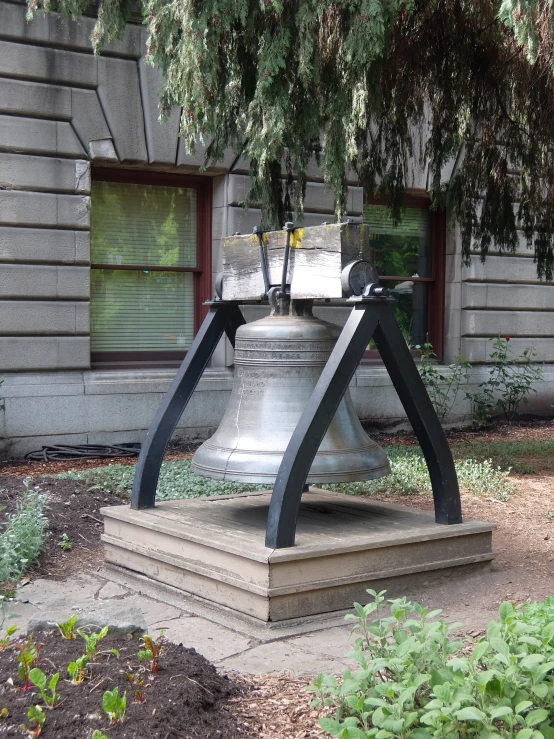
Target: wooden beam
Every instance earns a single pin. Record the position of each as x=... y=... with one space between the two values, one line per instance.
x=318 y=255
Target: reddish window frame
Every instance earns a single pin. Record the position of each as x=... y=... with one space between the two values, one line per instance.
x=202 y=272
x=435 y=313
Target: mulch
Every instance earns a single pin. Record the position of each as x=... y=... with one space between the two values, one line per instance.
x=187 y=698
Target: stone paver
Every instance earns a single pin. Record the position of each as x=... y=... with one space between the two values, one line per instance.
x=100 y=601
x=282 y=655
x=112 y=590
x=215 y=642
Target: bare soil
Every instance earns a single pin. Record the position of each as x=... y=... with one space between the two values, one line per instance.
x=187 y=698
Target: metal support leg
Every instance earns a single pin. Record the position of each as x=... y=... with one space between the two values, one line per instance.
x=313 y=424
x=421 y=414
x=223 y=317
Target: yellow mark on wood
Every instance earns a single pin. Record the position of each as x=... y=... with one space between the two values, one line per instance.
x=296 y=238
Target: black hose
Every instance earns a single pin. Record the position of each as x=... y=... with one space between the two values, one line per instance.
x=67 y=453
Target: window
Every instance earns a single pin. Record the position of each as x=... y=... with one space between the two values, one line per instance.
x=151 y=266
x=410 y=260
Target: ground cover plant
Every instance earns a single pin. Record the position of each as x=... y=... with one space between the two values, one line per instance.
x=49 y=687
x=22 y=537
x=409 y=476
x=417 y=682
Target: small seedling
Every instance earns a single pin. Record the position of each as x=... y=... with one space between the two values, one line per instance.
x=28 y=658
x=91 y=642
x=5 y=641
x=136 y=683
x=4 y=713
x=77 y=670
x=65 y=543
x=97 y=734
x=36 y=718
x=47 y=692
x=153 y=650
x=549 y=514
x=67 y=628
x=114 y=705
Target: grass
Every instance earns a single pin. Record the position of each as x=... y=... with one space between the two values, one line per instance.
x=523 y=457
x=409 y=476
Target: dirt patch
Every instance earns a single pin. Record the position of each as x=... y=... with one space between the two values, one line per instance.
x=186 y=699
x=72 y=510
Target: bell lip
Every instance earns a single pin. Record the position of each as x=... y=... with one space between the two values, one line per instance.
x=375 y=473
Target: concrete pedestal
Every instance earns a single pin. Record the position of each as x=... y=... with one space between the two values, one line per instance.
x=213 y=548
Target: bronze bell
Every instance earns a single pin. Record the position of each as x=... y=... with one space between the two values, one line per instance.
x=278 y=361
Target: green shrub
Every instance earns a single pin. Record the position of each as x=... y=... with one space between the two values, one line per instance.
x=410 y=476
x=23 y=535
x=442 y=387
x=509 y=384
x=416 y=682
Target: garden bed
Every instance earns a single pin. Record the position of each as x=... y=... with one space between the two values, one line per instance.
x=186 y=698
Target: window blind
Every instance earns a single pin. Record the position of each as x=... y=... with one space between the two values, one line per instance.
x=142 y=226
x=147 y=225
x=141 y=311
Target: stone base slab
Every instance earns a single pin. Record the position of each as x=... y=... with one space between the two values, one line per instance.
x=213 y=548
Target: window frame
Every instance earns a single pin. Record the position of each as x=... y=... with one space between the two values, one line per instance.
x=202 y=273
x=436 y=294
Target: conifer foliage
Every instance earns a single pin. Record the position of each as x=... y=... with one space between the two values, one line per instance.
x=464 y=86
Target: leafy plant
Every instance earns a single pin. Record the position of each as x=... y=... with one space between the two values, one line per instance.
x=27 y=658
x=415 y=682
x=65 y=543
x=153 y=650
x=77 y=670
x=47 y=688
x=5 y=640
x=67 y=628
x=114 y=705
x=23 y=536
x=97 y=734
x=91 y=641
x=36 y=718
x=136 y=683
x=509 y=384
x=442 y=383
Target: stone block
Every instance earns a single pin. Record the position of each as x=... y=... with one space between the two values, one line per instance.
x=36 y=136
x=119 y=92
x=102 y=149
x=44 y=281
x=77 y=414
x=477 y=349
x=55 y=66
x=19 y=208
x=503 y=269
x=24 y=172
x=521 y=297
x=37 y=317
x=508 y=323
x=118 y=617
x=161 y=138
x=44 y=353
x=191 y=162
x=56 y=31
x=453 y=323
x=453 y=296
x=34 y=99
x=44 y=245
x=88 y=118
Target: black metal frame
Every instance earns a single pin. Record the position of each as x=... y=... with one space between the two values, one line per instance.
x=371 y=317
